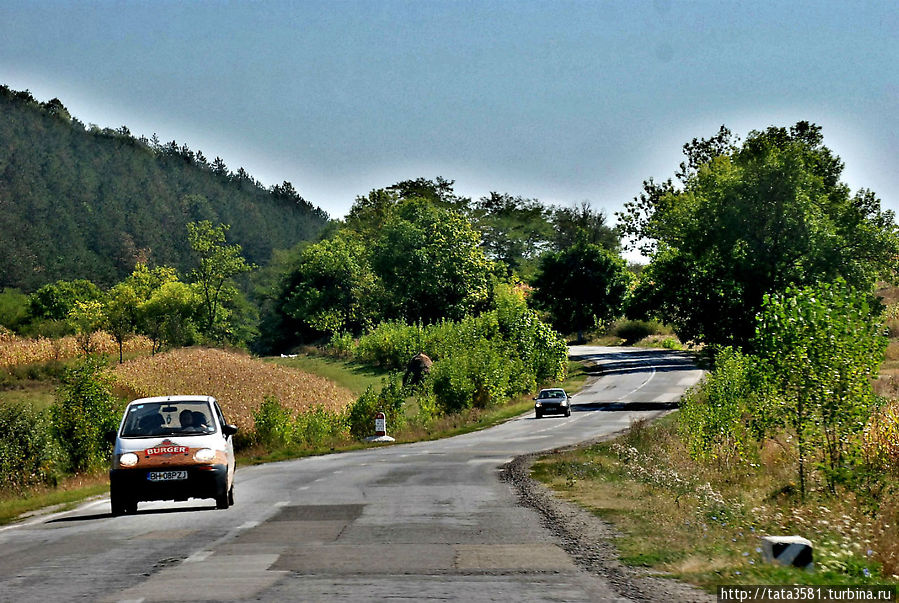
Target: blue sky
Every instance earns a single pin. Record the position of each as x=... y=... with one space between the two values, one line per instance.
x=560 y=101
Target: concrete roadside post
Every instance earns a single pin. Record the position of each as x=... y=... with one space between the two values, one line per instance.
x=788 y=550
x=380 y=429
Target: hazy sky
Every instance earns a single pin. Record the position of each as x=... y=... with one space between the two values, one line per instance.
x=560 y=101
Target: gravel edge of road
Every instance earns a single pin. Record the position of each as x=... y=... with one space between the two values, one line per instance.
x=589 y=539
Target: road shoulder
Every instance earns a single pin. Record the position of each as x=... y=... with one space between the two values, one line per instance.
x=590 y=540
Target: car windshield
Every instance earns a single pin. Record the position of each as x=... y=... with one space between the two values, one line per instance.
x=183 y=418
x=553 y=393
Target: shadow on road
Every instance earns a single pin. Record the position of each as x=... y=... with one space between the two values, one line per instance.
x=621 y=363
x=630 y=406
x=94 y=516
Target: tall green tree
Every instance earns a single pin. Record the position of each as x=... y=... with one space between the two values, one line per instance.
x=751 y=219
x=121 y=314
x=514 y=230
x=430 y=263
x=168 y=315
x=217 y=264
x=54 y=301
x=86 y=319
x=581 y=286
x=582 y=221
x=332 y=288
x=822 y=347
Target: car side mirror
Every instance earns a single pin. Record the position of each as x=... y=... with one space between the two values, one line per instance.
x=110 y=436
x=229 y=430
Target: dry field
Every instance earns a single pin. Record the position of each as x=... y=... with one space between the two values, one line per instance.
x=239 y=382
x=16 y=350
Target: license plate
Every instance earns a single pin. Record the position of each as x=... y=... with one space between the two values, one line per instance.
x=166 y=476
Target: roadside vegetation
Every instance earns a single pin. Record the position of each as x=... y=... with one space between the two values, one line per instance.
x=762 y=258
x=446 y=313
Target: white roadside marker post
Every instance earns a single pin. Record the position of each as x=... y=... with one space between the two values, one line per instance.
x=380 y=429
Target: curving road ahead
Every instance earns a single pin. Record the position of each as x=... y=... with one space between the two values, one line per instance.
x=417 y=521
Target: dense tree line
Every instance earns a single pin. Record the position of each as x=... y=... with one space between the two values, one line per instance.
x=742 y=221
x=79 y=201
x=419 y=253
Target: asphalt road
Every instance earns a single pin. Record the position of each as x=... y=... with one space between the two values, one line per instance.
x=418 y=521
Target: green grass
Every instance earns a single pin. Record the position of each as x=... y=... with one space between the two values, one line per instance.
x=67 y=497
x=39 y=394
x=346 y=373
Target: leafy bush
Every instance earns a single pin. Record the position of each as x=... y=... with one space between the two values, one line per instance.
x=454 y=387
x=390 y=400
x=28 y=454
x=479 y=361
x=341 y=345
x=361 y=414
x=84 y=412
x=274 y=425
x=713 y=414
x=390 y=345
x=670 y=343
x=316 y=426
x=632 y=331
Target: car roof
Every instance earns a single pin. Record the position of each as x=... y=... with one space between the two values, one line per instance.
x=552 y=389
x=208 y=399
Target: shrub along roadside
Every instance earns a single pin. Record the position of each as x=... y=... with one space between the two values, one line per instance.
x=480 y=364
x=788 y=440
x=313 y=432
x=480 y=361
x=701 y=521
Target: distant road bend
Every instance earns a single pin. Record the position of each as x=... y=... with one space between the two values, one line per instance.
x=420 y=521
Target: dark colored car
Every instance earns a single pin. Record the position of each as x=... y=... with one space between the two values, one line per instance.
x=552 y=401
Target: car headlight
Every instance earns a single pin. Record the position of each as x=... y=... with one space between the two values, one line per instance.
x=538 y=404
x=204 y=455
x=129 y=459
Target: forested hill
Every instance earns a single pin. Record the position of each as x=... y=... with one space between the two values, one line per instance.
x=85 y=202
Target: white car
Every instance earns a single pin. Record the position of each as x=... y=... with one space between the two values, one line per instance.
x=172 y=448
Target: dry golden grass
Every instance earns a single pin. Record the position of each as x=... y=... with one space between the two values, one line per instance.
x=888 y=384
x=885 y=535
x=239 y=382
x=712 y=540
x=882 y=435
x=17 y=351
x=888 y=293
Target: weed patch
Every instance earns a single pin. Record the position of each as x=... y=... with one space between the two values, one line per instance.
x=701 y=521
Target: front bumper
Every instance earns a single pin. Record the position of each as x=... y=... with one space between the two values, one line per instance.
x=552 y=408
x=203 y=481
